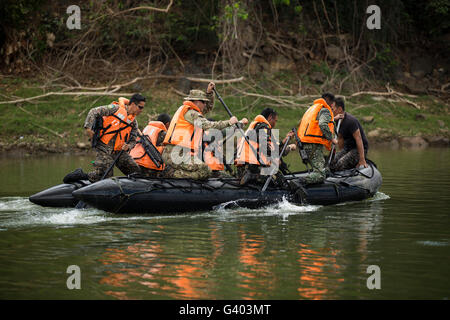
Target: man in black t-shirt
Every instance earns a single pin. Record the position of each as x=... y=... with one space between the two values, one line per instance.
x=355 y=143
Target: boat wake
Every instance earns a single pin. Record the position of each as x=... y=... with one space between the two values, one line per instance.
x=379 y=196
x=283 y=208
x=18 y=212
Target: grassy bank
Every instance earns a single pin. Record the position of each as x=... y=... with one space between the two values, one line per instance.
x=54 y=123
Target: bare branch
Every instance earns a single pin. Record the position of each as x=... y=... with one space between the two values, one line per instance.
x=67 y=94
x=148 y=8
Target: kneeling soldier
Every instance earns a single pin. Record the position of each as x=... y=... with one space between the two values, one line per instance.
x=155 y=132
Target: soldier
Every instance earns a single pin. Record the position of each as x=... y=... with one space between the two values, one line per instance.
x=183 y=140
x=259 y=134
x=316 y=131
x=155 y=132
x=117 y=132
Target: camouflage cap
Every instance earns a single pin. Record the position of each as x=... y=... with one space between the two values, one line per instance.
x=196 y=95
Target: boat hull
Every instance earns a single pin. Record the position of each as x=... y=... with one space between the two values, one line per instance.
x=142 y=195
x=59 y=195
x=128 y=195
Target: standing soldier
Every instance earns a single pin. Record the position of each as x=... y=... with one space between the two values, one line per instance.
x=155 y=132
x=183 y=141
x=315 y=132
x=117 y=131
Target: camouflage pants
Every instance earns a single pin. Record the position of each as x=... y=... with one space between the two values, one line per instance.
x=345 y=160
x=105 y=157
x=317 y=161
x=149 y=173
x=181 y=164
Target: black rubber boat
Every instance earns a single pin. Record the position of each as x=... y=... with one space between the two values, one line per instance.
x=142 y=195
x=59 y=195
x=138 y=195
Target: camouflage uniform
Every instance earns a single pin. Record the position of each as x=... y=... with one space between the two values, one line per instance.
x=105 y=154
x=190 y=167
x=345 y=160
x=315 y=150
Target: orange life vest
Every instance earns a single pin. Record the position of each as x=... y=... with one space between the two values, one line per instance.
x=183 y=133
x=245 y=154
x=118 y=125
x=211 y=159
x=138 y=153
x=213 y=163
x=309 y=130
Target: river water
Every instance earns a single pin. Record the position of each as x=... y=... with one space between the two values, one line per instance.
x=283 y=251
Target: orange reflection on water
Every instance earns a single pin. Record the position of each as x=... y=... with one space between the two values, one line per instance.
x=144 y=264
x=187 y=278
x=316 y=268
x=257 y=274
x=142 y=256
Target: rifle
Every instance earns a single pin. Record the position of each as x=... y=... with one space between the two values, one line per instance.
x=302 y=151
x=96 y=127
x=150 y=150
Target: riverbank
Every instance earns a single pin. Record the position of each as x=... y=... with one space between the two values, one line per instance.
x=54 y=124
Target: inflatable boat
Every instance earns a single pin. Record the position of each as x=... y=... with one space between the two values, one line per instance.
x=59 y=195
x=145 y=195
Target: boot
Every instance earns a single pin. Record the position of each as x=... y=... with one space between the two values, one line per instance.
x=297 y=187
x=281 y=181
x=248 y=177
x=301 y=195
x=74 y=176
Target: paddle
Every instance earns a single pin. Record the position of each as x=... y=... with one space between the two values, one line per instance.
x=334 y=146
x=270 y=176
x=239 y=128
x=81 y=204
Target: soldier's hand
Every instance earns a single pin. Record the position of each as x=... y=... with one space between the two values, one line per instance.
x=233 y=120
x=90 y=133
x=126 y=147
x=334 y=141
x=210 y=88
x=244 y=121
x=361 y=163
x=290 y=134
x=292 y=147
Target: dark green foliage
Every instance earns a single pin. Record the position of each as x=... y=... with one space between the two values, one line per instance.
x=198 y=25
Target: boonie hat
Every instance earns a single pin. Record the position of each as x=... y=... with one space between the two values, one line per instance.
x=196 y=95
